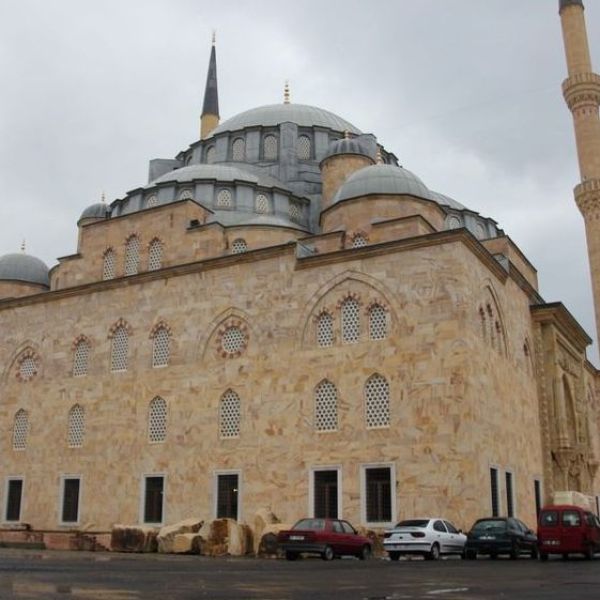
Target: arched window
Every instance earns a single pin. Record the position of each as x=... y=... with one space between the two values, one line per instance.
x=155 y=255
x=76 y=427
x=132 y=255
x=28 y=365
x=262 y=203
x=233 y=340
x=377 y=401
x=108 y=268
x=229 y=415
x=161 y=347
x=186 y=194
x=157 y=420
x=303 y=148
x=378 y=322
x=326 y=407
x=359 y=240
x=453 y=223
x=224 y=199
x=119 y=349
x=295 y=211
x=238 y=246
x=350 y=321
x=210 y=155
x=81 y=356
x=325 y=330
x=20 y=430
x=270 y=147
x=482 y=323
x=152 y=201
x=238 y=150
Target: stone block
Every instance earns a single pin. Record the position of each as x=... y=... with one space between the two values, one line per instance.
x=166 y=535
x=267 y=545
x=133 y=538
x=226 y=536
x=262 y=518
x=187 y=543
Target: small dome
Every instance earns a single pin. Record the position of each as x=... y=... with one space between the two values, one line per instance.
x=447 y=201
x=382 y=179
x=346 y=146
x=95 y=211
x=23 y=267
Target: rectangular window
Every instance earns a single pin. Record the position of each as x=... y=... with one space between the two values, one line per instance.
x=378 y=488
x=325 y=494
x=153 y=498
x=14 y=495
x=70 y=500
x=537 y=490
x=510 y=497
x=494 y=491
x=227 y=495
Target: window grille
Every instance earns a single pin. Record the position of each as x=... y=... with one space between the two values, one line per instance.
x=20 y=430
x=210 y=155
x=76 y=427
x=132 y=255
x=239 y=246
x=325 y=330
x=80 y=358
x=233 y=340
x=359 y=241
x=161 y=348
x=494 y=492
x=229 y=415
x=454 y=223
x=377 y=402
x=224 y=199
x=295 y=211
x=262 y=204
x=303 y=149
x=152 y=200
x=186 y=195
x=325 y=494
x=238 y=150
x=227 y=496
x=155 y=255
x=350 y=321
x=379 y=494
x=377 y=322
x=28 y=368
x=119 y=350
x=270 y=147
x=157 y=421
x=108 y=269
x=326 y=410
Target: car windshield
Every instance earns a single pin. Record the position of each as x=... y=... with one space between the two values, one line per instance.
x=315 y=524
x=491 y=525
x=413 y=523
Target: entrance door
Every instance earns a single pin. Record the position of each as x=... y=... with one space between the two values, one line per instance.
x=325 y=494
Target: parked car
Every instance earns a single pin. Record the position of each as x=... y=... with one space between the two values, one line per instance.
x=327 y=537
x=500 y=535
x=429 y=537
x=567 y=529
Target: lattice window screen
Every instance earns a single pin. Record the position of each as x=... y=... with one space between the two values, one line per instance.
x=119 y=350
x=157 y=420
x=325 y=330
x=262 y=203
x=303 y=147
x=350 y=321
x=270 y=147
x=28 y=368
x=238 y=150
x=108 y=269
x=229 y=415
x=210 y=155
x=132 y=255
x=377 y=402
x=378 y=322
x=326 y=410
x=76 y=426
x=161 y=348
x=81 y=358
x=239 y=246
x=358 y=241
x=152 y=200
x=233 y=340
x=295 y=211
x=186 y=195
x=224 y=199
x=155 y=255
x=20 y=430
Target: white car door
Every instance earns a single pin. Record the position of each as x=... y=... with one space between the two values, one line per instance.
x=441 y=535
x=456 y=540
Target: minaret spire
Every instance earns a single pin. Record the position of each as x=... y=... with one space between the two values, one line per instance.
x=210 y=109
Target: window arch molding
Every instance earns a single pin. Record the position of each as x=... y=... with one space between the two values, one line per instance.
x=490 y=319
x=209 y=342
x=81 y=349
x=162 y=344
x=11 y=366
x=119 y=334
x=28 y=364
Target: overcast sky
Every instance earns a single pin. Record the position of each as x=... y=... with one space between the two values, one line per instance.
x=465 y=92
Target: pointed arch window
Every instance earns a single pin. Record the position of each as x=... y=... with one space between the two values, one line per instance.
x=377 y=402
x=186 y=194
x=378 y=322
x=28 y=365
x=76 y=426
x=359 y=240
x=20 y=430
x=238 y=150
x=324 y=330
x=270 y=147
x=155 y=251
x=262 y=204
x=224 y=199
x=161 y=347
x=210 y=155
x=81 y=355
x=326 y=407
x=229 y=415
x=119 y=349
x=152 y=201
x=239 y=246
x=132 y=255
x=108 y=264
x=157 y=420
x=350 y=321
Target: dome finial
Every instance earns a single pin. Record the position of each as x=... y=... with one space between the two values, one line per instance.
x=286 y=92
x=209 y=118
x=214 y=37
x=346 y=134
x=103 y=197
x=23 y=246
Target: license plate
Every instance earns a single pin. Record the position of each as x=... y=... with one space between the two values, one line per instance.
x=296 y=538
x=395 y=547
x=487 y=537
x=551 y=543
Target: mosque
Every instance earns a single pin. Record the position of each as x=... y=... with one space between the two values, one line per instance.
x=285 y=317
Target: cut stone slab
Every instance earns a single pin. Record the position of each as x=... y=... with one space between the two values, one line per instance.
x=133 y=538
x=166 y=535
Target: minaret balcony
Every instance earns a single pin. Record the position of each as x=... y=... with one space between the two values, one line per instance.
x=582 y=89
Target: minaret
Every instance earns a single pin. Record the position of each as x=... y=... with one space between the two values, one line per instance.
x=210 y=109
x=582 y=93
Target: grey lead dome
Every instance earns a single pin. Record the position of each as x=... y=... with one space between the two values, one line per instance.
x=95 y=211
x=346 y=146
x=23 y=267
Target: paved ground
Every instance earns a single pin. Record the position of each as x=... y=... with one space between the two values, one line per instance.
x=65 y=576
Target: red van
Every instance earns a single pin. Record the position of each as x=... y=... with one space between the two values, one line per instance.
x=567 y=529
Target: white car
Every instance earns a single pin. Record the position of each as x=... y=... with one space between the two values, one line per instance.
x=428 y=537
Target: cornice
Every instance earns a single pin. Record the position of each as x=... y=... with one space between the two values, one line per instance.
x=558 y=315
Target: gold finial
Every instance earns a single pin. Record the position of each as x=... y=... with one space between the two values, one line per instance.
x=378 y=156
x=286 y=92
x=346 y=134
x=23 y=245
x=214 y=37
x=103 y=197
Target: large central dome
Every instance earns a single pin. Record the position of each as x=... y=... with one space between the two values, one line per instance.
x=275 y=114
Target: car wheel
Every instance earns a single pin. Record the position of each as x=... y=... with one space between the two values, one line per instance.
x=434 y=553
x=493 y=556
x=365 y=552
x=394 y=555
x=589 y=552
x=291 y=555
x=534 y=553
x=565 y=556
x=543 y=556
x=327 y=553
x=515 y=551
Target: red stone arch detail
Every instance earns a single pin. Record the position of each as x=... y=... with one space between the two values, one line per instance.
x=117 y=325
